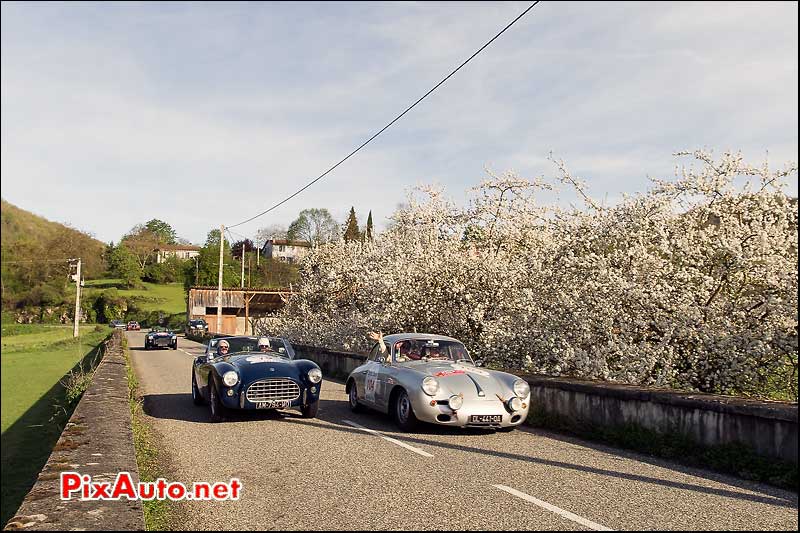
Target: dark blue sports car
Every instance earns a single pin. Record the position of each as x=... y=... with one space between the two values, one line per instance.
x=255 y=373
x=160 y=338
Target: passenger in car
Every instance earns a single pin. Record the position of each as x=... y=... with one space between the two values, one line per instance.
x=263 y=345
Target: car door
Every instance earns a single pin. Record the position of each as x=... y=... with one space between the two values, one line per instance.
x=370 y=373
x=203 y=370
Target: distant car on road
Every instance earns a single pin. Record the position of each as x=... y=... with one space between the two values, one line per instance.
x=159 y=337
x=133 y=326
x=432 y=378
x=197 y=325
x=118 y=324
x=255 y=373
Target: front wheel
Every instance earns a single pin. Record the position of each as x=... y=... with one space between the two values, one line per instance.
x=310 y=410
x=404 y=413
x=217 y=409
x=352 y=399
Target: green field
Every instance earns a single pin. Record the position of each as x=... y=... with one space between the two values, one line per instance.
x=33 y=360
x=170 y=297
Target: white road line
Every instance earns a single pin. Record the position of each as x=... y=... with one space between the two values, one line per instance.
x=393 y=441
x=184 y=351
x=553 y=508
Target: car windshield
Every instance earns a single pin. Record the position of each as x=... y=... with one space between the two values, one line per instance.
x=197 y=322
x=431 y=350
x=159 y=329
x=277 y=346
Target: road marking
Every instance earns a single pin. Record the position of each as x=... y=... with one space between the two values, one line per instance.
x=184 y=351
x=553 y=508
x=393 y=441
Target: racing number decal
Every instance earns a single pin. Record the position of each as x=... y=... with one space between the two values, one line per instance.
x=372 y=383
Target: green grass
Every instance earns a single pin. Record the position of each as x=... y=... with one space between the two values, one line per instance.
x=170 y=297
x=12 y=328
x=33 y=365
x=156 y=512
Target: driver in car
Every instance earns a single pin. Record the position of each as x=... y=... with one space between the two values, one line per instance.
x=223 y=347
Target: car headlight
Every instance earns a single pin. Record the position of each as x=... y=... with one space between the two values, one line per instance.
x=521 y=388
x=315 y=375
x=515 y=404
x=430 y=385
x=456 y=402
x=230 y=378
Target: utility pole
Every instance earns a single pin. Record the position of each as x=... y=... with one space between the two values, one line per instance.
x=219 y=291
x=258 y=257
x=243 y=264
x=249 y=273
x=76 y=328
x=196 y=271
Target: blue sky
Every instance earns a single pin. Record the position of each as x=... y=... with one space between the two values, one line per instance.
x=208 y=113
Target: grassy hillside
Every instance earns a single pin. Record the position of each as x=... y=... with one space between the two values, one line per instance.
x=169 y=297
x=34 y=251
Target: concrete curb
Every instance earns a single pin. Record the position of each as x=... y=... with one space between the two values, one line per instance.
x=98 y=441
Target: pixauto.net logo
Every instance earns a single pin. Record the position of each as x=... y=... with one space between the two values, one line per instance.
x=75 y=485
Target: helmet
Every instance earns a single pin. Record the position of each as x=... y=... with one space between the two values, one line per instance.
x=263 y=341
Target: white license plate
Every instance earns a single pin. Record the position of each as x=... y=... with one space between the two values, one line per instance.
x=485 y=419
x=274 y=404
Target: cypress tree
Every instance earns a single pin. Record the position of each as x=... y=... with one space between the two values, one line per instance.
x=369 y=226
x=352 y=233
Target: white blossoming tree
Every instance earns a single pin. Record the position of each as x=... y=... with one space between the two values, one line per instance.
x=692 y=285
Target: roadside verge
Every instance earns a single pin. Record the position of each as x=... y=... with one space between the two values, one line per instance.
x=97 y=441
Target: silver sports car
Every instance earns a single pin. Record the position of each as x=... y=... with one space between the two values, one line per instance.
x=420 y=377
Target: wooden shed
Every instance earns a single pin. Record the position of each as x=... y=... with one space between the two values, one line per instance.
x=240 y=306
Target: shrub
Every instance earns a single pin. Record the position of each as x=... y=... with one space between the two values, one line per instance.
x=692 y=285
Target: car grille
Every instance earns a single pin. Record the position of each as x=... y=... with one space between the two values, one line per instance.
x=273 y=389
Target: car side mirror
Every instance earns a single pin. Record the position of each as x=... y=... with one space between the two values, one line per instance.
x=479 y=362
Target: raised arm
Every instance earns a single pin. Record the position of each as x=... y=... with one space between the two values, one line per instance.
x=377 y=336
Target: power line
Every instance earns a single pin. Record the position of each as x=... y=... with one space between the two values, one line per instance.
x=398 y=117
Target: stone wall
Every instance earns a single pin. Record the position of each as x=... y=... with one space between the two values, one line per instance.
x=768 y=428
x=97 y=441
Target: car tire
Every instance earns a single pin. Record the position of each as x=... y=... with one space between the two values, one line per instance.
x=310 y=410
x=217 y=409
x=175 y=346
x=146 y=346
x=404 y=412
x=352 y=399
x=196 y=397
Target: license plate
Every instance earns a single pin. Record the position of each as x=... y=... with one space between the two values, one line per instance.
x=486 y=419
x=274 y=404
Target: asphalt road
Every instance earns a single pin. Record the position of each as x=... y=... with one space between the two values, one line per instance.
x=326 y=473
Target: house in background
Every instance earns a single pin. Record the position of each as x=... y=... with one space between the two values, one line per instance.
x=181 y=251
x=284 y=250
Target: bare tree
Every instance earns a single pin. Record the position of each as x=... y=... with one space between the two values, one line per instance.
x=315 y=226
x=273 y=231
